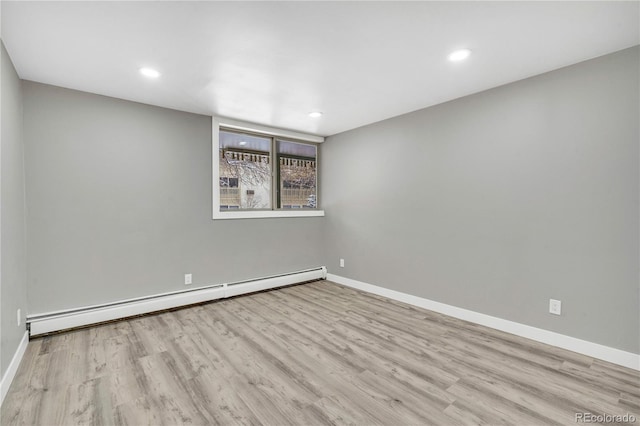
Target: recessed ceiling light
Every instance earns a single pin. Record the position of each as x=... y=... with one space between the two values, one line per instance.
x=242 y=143
x=459 y=55
x=315 y=114
x=149 y=72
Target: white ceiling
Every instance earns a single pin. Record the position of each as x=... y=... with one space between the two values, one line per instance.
x=273 y=62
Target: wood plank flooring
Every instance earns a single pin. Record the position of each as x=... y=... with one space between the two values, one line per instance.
x=316 y=353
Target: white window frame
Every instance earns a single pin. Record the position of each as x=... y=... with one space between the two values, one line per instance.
x=216 y=123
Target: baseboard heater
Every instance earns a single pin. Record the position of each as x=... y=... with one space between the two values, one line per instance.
x=51 y=322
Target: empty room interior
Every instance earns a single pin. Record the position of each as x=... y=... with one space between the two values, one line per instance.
x=304 y=213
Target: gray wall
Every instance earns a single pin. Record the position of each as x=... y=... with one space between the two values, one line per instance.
x=499 y=201
x=13 y=284
x=119 y=205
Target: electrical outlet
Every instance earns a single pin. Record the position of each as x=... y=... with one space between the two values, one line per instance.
x=342 y=263
x=555 y=307
x=19 y=315
x=187 y=279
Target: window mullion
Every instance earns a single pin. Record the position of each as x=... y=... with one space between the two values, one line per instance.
x=275 y=178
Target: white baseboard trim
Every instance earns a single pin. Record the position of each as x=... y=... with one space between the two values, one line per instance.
x=594 y=350
x=9 y=375
x=79 y=317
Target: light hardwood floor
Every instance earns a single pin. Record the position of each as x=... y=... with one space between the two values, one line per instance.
x=316 y=353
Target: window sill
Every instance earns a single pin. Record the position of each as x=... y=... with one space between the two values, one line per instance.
x=261 y=214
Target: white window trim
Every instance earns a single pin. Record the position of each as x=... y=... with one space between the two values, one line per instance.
x=216 y=123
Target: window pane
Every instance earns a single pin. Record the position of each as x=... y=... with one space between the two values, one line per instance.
x=245 y=171
x=297 y=162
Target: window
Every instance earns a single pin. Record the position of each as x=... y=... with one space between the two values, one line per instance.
x=297 y=175
x=245 y=170
x=262 y=175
